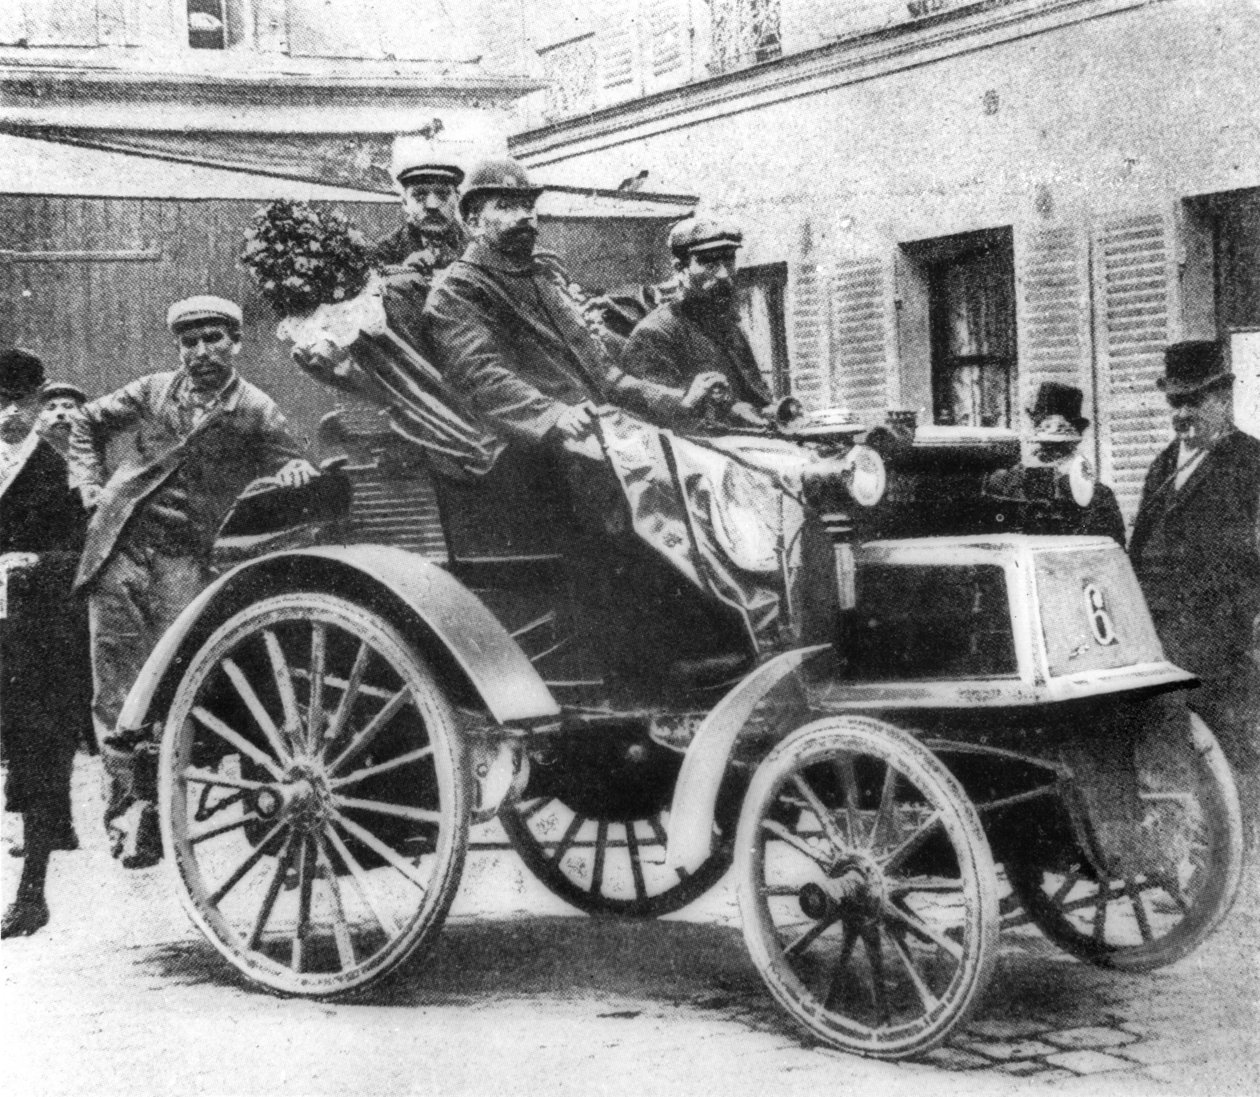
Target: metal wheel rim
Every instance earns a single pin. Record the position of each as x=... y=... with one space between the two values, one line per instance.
x=369 y=920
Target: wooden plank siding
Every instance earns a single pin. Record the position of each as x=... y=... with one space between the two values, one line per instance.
x=1133 y=285
x=808 y=328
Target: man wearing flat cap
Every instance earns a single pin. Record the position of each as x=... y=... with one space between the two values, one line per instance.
x=431 y=236
x=697 y=335
x=203 y=433
x=41 y=713
x=1196 y=550
x=1046 y=489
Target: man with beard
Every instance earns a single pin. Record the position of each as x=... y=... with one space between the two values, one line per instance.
x=41 y=533
x=430 y=237
x=203 y=434
x=1196 y=551
x=698 y=334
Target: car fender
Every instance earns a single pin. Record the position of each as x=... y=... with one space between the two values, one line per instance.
x=705 y=763
x=454 y=617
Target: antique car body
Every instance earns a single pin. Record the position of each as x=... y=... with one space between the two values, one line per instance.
x=980 y=698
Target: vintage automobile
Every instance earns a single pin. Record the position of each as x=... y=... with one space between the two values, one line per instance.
x=867 y=731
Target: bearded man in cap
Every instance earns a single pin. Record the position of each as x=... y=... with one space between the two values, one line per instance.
x=203 y=433
x=41 y=532
x=1196 y=551
x=697 y=335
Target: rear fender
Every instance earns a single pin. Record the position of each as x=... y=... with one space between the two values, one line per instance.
x=696 y=791
x=443 y=618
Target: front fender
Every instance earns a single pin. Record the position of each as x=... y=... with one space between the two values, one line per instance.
x=704 y=765
x=479 y=645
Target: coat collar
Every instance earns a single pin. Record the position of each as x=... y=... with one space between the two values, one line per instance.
x=482 y=255
x=18 y=456
x=1206 y=467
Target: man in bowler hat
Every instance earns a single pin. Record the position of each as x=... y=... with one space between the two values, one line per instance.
x=204 y=433
x=1196 y=551
x=41 y=532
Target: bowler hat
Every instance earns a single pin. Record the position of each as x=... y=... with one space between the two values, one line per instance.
x=703 y=234
x=21 y=373
x=498 y=175
x=1056 y=413
x=1193 y=366
x=62 y=388
x=197 y=310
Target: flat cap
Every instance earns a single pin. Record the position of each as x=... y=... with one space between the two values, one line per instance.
x=415 y=158
x=703 y=234
x=195 y=310
x=499 y=175
x=54 y=389
x=21 y=373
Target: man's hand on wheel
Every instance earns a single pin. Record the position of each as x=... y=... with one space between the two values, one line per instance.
x=707 y=389
x=296 y=473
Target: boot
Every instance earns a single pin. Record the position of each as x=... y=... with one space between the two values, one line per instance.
x=144 y=849
x=24 y=917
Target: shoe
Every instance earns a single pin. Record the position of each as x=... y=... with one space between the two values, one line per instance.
x=24 y=917
x=146 y=844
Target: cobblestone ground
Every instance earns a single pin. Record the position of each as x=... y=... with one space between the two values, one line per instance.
x=120 y=995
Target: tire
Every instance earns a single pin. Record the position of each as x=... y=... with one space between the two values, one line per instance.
x=1151 y=919
x=314 y=795
x=854 y=834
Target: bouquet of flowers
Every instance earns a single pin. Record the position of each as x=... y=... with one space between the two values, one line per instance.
x=312 y=267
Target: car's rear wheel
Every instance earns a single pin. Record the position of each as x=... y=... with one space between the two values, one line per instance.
x=314 y=795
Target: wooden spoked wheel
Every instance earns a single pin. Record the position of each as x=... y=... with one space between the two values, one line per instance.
x=1191 y=841
x=867 y=888
x=607 y=866
x=314 y=795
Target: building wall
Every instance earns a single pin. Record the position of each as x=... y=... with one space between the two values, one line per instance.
x=1084 y=133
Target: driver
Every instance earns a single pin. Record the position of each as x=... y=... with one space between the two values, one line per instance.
x=697 y=335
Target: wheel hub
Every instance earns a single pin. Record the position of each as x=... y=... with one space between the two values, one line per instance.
x=852 y=892
x=303 y=799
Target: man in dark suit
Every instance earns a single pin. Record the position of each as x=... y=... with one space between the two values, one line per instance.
x=1196 y=550
x=698 y=334
x=204 y=433
x=41 y=713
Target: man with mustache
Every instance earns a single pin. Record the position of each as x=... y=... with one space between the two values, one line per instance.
x=1196 y=551
x=431 y=236
x=61 y=403
x=698 y=334
x=203 y=434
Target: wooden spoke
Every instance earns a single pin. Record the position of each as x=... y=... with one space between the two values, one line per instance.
x=566 y=840
x=795 y=841
x=836 y=983
x=1065 y=889
x=400 y=811
x=916 y=925
x=284 y=685
x=927 y=999
x=1139 y=908
x=892 y=860
x=315 y=699
x=261 y=716
x=1100 y=915
x=306 y=884
x=879 y=978
x=821 y=812
x=372 y=729
x=370 y=840
x=849 y=786
x=212 y=723
x=383 y=767
x=636 y=867
x=922 y=885
x=248 y=863
x=222 y=828
x=779 y=891
x=209 y=777
x=341 y=930
x=810 y=936
x=349 y=694
x=361 y=883
x=273 y=891
x=601 y=848
x=658 y=831
x=1173 y=889
x=887 y=802
x=534 y=806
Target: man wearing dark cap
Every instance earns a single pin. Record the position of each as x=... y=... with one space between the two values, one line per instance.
x=60 y=402
x=510 y=336
x=41 y=533
x=203 y=433
x=1058 y=429
x=1196 y=551
x=431 y=236
x=698 y=335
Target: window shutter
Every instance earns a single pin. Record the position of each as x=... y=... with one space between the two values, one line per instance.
x=668 y=42
x=616 y=60
x=1132 y=275
x=1053 y=316
x=859 y=331
x=808 y=335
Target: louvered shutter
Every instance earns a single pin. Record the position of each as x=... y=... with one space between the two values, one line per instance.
x=615 y=48
x=807 y=326
x=1053 y=315
x=1132 y=272
x=668 y=43
x=860 y=353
